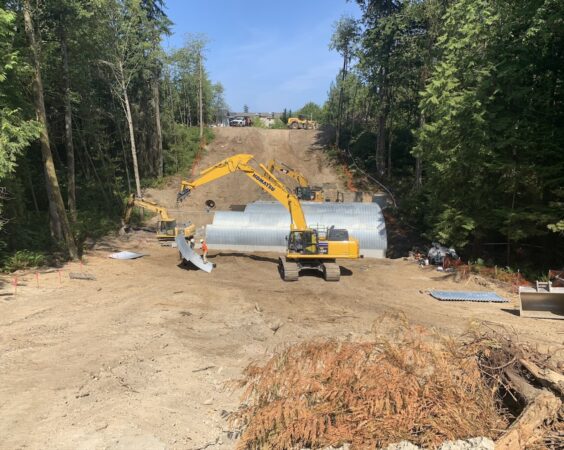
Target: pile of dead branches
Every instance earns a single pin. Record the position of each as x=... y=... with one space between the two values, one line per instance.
x=529 y=380
x=368 y=394
x=419 y=387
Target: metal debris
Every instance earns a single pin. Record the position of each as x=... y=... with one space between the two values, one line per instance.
x=126 y=255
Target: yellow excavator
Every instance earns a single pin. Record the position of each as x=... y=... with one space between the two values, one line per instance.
x=307 y=248
x=302 y=123
x=167 y=228
x=303 y=191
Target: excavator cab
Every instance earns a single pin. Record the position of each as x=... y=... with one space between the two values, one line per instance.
x=166 y=229
x=303 y=242
x=310 y=193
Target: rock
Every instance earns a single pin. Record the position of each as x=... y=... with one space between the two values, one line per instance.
x=403 y=445
x=479 y=443
x=209 y=401
x=275 y=326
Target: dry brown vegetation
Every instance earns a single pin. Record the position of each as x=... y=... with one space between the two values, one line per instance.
x=417 y=387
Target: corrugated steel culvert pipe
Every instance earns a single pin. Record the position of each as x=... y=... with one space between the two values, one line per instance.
x=264 y=226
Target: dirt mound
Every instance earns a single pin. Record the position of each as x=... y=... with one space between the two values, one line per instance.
x=300 y=149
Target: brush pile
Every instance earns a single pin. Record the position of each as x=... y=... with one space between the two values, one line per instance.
x=417 y=387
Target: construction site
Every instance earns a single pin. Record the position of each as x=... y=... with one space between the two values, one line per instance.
x=153 y=352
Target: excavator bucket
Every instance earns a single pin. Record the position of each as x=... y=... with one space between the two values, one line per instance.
x=190 y=255
x=542 y=301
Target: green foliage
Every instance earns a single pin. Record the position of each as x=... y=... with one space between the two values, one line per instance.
x=108 y=43
x=183 y=144
x=279 y=124
x=15 y=131
x=311 y=111
x=492 y=153
x=22 y=260
x=257 y=123
x=470 y=90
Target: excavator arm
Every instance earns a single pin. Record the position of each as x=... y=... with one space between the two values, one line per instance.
x=273 y=166
x=267 y=182
x=147 y=204
x=167 y=228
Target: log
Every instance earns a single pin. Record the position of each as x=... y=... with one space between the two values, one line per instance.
x=542 y=405
x=546 y=377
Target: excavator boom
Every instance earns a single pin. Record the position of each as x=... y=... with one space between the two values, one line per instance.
x=267 y=182
x=273 y=166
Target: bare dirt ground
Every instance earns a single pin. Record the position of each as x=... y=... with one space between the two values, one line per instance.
x=139 y=357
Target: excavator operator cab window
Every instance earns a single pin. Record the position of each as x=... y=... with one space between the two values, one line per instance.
x=304 y=242
x=167 y=227
x=305 y=193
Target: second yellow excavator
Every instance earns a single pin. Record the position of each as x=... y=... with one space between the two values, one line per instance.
x=167 y=228
x=307 y=248
x=303 y=191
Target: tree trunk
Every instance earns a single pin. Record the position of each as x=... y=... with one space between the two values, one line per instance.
x=56 y=205
x=201 y=101
x=389 y=165
x=381 y=145
x=340 y=105
x=71 y=178
x=418 y=182
x=131 y=131
x=158 y=129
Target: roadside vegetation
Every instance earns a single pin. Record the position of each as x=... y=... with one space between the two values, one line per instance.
x=107 y=115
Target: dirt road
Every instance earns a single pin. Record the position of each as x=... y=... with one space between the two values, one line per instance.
x=139 y=357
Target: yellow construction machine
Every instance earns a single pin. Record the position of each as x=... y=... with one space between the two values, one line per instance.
x=302 y=123
x=307 y=248
x=303 y=191
x=167 y=228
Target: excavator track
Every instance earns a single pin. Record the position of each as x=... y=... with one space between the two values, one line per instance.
x=289 y=270
x=331 y=271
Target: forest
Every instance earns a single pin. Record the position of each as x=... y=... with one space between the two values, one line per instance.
x=91 y=107
x=457 y=107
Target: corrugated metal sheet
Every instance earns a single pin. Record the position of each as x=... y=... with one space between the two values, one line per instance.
x=264 y=226
x=468 y=296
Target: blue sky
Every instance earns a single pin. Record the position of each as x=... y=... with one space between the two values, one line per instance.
x=267 y=54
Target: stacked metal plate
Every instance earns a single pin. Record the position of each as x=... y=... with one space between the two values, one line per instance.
x=264 y=226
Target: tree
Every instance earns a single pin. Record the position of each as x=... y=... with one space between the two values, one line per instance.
x=60 y=227
x=126 y=59
x=344 y=38
x=246 y=109
x=491 y=139
x=312 y=111
x=16 y=132
x=284 y=116
x=158 y=25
